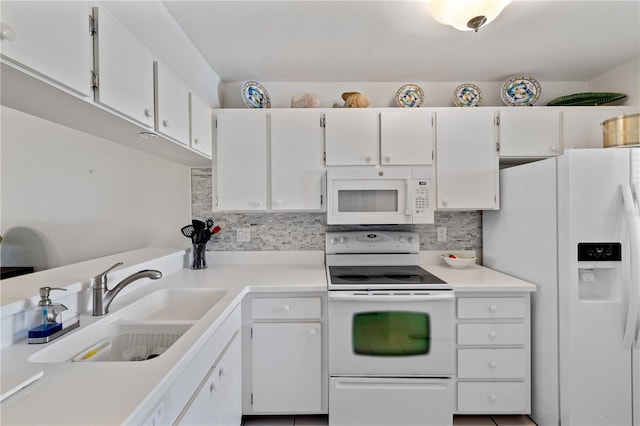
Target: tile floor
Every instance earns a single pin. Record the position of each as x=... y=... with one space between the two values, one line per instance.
x=323 y=421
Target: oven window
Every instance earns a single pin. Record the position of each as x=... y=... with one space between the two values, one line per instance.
x=391 y=333
x=365 y=200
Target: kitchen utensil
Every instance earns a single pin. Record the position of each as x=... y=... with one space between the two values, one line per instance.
x=209 y=223
x=188 y=231
x=198 y=224
x=621 y=131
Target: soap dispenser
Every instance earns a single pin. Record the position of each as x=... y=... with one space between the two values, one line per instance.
x=48 y=321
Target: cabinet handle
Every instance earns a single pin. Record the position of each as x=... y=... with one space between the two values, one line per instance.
x=493 y=308
x=212 y=387
x=368 y=159
x=6 y=32
x=286 y=308
x=444 y=202
x=165 y=123
x=195 y=140
x=147 y=112
x=554 y=149
x=312 y=332
x=493 y=364
x=221 y=372
x=387 y=158
x=258 y=203
x=277 y=203
x=493 y=335
x=492 y=397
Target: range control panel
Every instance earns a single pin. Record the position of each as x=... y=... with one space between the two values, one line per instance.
x=599 y=252
x=372 y=242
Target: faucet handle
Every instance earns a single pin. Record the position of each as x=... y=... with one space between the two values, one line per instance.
x=101 y=278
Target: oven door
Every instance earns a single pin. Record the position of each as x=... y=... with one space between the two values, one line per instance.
x=386 y=333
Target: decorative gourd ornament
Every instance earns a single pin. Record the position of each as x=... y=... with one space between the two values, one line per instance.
x=355 y=100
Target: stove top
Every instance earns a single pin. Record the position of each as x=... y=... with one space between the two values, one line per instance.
x=383 y=277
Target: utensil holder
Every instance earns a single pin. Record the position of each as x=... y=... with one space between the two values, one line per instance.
x=198 y=259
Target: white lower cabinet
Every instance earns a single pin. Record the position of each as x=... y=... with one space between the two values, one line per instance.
x=493 y=354
x=218 y=400
x=284 y=364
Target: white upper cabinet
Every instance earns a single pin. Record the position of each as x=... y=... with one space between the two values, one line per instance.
x=124 y=69
x=466 y=159
x=201 y=125
x=581 y=126
x=406 y=137
x=241 y=161
x=297 y=165
x=51 y=39
x=352 y=137
x=529 y=132
x=172 y=104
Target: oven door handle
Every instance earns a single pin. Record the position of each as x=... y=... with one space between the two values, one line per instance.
x=342 y=297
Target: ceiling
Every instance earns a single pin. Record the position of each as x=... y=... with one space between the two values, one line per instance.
x=391 y=41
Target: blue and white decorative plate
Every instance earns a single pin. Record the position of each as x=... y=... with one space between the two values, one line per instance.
x=410 y=96
x=520 y=90
x=255 y=96
x=467 y=95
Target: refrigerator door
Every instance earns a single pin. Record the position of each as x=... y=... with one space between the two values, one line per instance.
x=595 y=369
x=520 y=239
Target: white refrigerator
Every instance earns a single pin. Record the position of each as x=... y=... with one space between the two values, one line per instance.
x=571 y=225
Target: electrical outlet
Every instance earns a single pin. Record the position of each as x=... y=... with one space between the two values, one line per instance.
x=243 y=235
x=442 y=233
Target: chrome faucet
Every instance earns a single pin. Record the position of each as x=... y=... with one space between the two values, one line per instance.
x=102 y=296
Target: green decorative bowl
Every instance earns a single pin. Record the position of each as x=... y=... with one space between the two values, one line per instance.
x=587 y=99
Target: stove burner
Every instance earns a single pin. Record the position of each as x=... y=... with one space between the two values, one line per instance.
x=353 y=277
x=403 y=277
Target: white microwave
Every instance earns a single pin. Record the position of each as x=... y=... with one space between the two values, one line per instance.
x=380 y=195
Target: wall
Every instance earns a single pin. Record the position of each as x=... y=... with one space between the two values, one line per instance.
x=306 y=231
x=623 y=79
x=67 y=196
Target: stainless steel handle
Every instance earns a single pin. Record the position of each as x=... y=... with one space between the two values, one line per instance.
x=100 y=276
x=386 y=298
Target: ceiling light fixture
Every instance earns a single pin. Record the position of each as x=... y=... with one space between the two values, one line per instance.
x=466 y=15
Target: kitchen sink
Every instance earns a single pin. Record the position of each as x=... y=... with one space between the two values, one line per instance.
x=174 y=304
x=140 y=331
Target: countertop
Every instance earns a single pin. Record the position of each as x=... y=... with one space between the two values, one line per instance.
x=109 y=393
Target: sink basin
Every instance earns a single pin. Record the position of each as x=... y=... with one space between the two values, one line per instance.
x=114 y=343
x=174 y=304
x=140 y=331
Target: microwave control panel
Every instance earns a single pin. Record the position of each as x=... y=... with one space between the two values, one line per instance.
x=422 y=201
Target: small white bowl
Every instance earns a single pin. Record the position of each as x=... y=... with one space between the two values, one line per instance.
x=459 y=261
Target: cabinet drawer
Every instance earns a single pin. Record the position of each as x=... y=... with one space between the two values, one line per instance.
x=491 y=307
x=491 y=334
x=491 y=397
x=286 y=308
x=491 y=363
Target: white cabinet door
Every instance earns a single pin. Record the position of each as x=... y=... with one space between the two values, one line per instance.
x=581 y=126
x=201 y=128
x=218 y=400
x=529 y=132
x=466 y=159
x=172 y=104
x=406 y=137
x=287 y=367
x=125 y=70
x=296 y=161
x=51 y=38
x=352 y=138
x=241 y=161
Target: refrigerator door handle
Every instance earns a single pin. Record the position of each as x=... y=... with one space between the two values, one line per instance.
x=633 y=219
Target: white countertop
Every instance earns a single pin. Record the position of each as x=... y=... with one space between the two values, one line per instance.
x=108 y=393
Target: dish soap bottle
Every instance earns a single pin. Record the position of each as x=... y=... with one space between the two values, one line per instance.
x=48 y=321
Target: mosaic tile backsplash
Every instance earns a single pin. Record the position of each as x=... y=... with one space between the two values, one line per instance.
x=306 y=231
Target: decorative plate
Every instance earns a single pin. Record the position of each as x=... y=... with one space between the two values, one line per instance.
x=467 y=95
x=587 y=99
x=520 y=90
x=255 y=96
x=410 y=96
